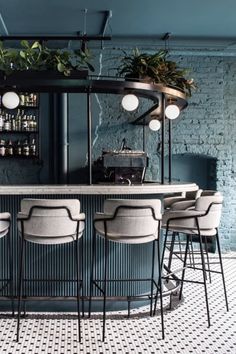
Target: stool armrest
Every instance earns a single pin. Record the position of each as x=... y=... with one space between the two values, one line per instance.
x=183 y=205
x=80 y=217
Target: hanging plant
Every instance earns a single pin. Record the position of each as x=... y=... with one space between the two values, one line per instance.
x=157 y=69
x=38 y=57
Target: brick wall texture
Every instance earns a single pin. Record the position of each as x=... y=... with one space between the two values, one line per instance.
x=206 y=127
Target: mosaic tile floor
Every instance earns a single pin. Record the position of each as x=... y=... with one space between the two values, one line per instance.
x=185 y=327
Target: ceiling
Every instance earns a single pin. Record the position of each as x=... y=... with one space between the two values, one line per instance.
x=209 y=21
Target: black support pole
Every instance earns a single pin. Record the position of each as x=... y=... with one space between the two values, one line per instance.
x=63 y=138
x=89 y=128
x=170 y=151
x=144 y=136
x=163 y=138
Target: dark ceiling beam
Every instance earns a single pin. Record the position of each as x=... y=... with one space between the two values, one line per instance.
x=54 y=38
x=3 y=25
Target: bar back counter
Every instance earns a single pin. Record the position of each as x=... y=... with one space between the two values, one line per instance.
x=56 y=262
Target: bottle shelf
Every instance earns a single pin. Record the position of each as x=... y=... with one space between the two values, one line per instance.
x=19 y=107
x=19 y=132
x=6 y=157
x=26 y=107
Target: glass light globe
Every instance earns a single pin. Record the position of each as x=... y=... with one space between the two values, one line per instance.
x=130 y=102
x=172 y=111
x=10 y=100
x=154 y=125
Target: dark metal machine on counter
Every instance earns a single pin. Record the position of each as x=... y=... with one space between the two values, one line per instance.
x=122 y=166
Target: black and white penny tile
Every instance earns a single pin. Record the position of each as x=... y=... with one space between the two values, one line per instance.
x=186 y=328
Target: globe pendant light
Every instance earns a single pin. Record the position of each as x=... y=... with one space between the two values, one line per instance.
x=172 y=111
x=154 y=125
x=10 y=100
x=130 y=102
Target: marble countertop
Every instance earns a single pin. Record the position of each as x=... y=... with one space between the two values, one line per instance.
x=96 y=189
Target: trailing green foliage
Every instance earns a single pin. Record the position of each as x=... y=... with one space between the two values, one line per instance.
x=155 y=68
x=38 y=57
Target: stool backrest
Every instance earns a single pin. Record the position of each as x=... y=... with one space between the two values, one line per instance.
x=133 y=218
x=214 y=206
x=193 y=195
x=50 y=217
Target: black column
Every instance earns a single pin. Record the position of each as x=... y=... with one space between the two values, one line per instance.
x=62 y=134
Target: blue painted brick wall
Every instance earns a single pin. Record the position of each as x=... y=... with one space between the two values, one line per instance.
x=206 y=127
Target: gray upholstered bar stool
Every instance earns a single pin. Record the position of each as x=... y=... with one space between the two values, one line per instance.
x=184 y=204
x=128 y=222
x=201 y=220
x=5 y=222
x=50 y=222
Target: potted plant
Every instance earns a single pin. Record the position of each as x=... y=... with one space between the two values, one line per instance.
x=155 y=68
x=38 y=57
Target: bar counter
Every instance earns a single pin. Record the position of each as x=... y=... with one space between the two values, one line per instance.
x=102 y=189
x=57 y=262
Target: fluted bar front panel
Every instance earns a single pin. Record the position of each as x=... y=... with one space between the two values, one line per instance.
x=54 y=264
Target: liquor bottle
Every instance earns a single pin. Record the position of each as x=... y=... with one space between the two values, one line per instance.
x=2 y=148
x=18 y=149
x=35 y=124
x=7 y=124
x=32 y=148
x=22 y=99
x=1 y=121
x=25 y=148
x=24 y=123
x=31 y=99
x=13 y=122
x=35 y=100
x=9 y=148
x=31 y=123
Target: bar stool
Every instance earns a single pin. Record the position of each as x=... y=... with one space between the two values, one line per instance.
x=127 y=222
x=185 y=204
x=5 y=222
x=50 y=222
x=201 y=220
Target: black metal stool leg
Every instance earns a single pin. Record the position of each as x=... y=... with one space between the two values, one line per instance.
x=172 y=245
x=184 y=267
x=162 y=261
x=105 y=289
x=92 y=271
x=152 y=276
x=160 y=284
x=192 y=251
x=76 y=247
x=81 y=257
x=222 y=270
x=20 y=286
x=180 y=247
x=11 y=273
x=204 y=275
x=208 y=260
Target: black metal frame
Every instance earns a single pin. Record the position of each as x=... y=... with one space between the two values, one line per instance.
x=94 y=282
x=9 y=280
x=78 y=82
x=78 y=263
x=203 y=269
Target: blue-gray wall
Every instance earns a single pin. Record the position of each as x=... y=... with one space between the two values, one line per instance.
x=206 y=128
